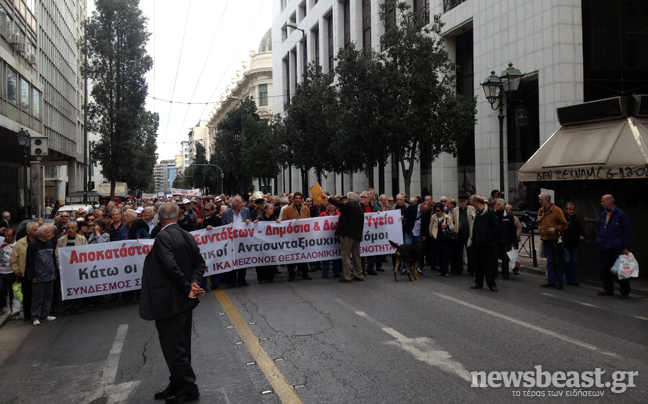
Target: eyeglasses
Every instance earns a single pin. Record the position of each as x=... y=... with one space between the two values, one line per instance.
x=207 y=210
x=65 y=216
x=437 y=210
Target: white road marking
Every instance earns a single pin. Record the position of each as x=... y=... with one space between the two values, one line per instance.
x=531 y=326
x=423 y=349
x=641 y=318
x=116 y=393
x=571 y=300
x=110 y=371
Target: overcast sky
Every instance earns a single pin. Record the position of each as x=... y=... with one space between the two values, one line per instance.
x=196 y=46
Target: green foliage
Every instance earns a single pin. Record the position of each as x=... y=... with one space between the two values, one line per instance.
x=145 y=159
x=361 y=86
x=310 y=127
x=117 y=62
x=244 y=147
x=424 y=116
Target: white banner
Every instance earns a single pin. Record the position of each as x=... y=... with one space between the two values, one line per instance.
x=308 y=240
x=99 y=269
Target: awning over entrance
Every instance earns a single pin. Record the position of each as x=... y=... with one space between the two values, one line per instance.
x=598 y=151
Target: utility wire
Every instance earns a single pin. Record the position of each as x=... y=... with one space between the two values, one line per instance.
x=206 y=60
x=230 y=64
x=166 y=131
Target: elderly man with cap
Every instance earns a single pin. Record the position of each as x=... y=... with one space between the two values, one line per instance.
x=191 y=210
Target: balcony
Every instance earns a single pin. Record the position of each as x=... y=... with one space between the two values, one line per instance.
x=450 y=4
x=423 y=15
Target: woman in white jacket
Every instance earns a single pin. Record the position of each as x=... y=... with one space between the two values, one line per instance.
x=440 y=223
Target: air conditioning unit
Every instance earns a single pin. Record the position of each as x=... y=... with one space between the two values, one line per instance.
x=31 y=58
x=20 y=47
x=14 y=39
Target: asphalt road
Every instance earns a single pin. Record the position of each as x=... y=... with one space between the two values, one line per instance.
x=320 y=341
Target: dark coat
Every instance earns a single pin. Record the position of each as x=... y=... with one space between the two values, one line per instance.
x=170 y=267
x=486 y=229
x=615 y=235
x=138 y=230
x=213 y=220
x=410 y=218
x=351 y=219
x=508 y=232
x=573 y=232
x=425 y=219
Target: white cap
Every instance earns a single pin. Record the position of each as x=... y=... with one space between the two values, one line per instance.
x=185 y=201
x=139 y=210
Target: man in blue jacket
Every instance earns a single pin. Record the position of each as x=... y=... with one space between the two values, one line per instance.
x=613 y=240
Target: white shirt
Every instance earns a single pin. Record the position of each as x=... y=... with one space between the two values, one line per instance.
x=6 y=252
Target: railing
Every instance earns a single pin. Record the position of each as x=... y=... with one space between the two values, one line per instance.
x=421 y=16
x=450 y=4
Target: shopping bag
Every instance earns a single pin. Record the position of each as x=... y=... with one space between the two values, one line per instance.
x=514 y=258
x=626 y=267
x=16 y=306
x=17 y=290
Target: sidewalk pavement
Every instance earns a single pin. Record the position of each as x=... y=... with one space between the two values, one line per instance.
x=638 y=286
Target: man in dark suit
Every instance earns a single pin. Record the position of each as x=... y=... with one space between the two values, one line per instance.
x=237 y=214
x=172 y=272
x=350 y=225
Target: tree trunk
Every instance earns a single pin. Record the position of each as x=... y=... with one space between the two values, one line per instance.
x=113 y=183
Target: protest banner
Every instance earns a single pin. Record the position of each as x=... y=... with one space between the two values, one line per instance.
x=98 y=269
x=307 y=240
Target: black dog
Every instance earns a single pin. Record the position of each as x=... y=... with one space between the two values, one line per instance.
x=410 y=254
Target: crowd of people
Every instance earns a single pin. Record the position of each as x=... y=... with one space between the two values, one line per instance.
x=468 y=234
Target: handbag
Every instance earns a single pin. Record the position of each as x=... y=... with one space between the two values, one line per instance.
x=451 y=234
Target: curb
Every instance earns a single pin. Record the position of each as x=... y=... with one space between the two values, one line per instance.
x=587 y=281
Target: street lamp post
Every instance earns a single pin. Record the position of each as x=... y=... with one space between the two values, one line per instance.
x=23 y=140
x=294 y=26
x=495 y=88
x=222 y=175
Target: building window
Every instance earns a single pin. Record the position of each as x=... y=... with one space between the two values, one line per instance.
x=331 y=56
x=347 y=23
x=12 y=86
x=286 y=65
x=36 y=97
x=24 y=94
x=4 y=21
x=316 y=42
x=263 y=95
x=302 y=11
x=421 y=12
x=366 y=24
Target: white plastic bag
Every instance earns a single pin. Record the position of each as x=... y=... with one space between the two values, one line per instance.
x=626 y=267
x=16 y=306
x=514 y=258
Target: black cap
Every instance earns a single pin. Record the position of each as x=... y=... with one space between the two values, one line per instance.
x=463 y=197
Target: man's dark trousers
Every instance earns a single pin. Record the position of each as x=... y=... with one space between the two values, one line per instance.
x=175 y=341
x=606 y=260
x=485 y=266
